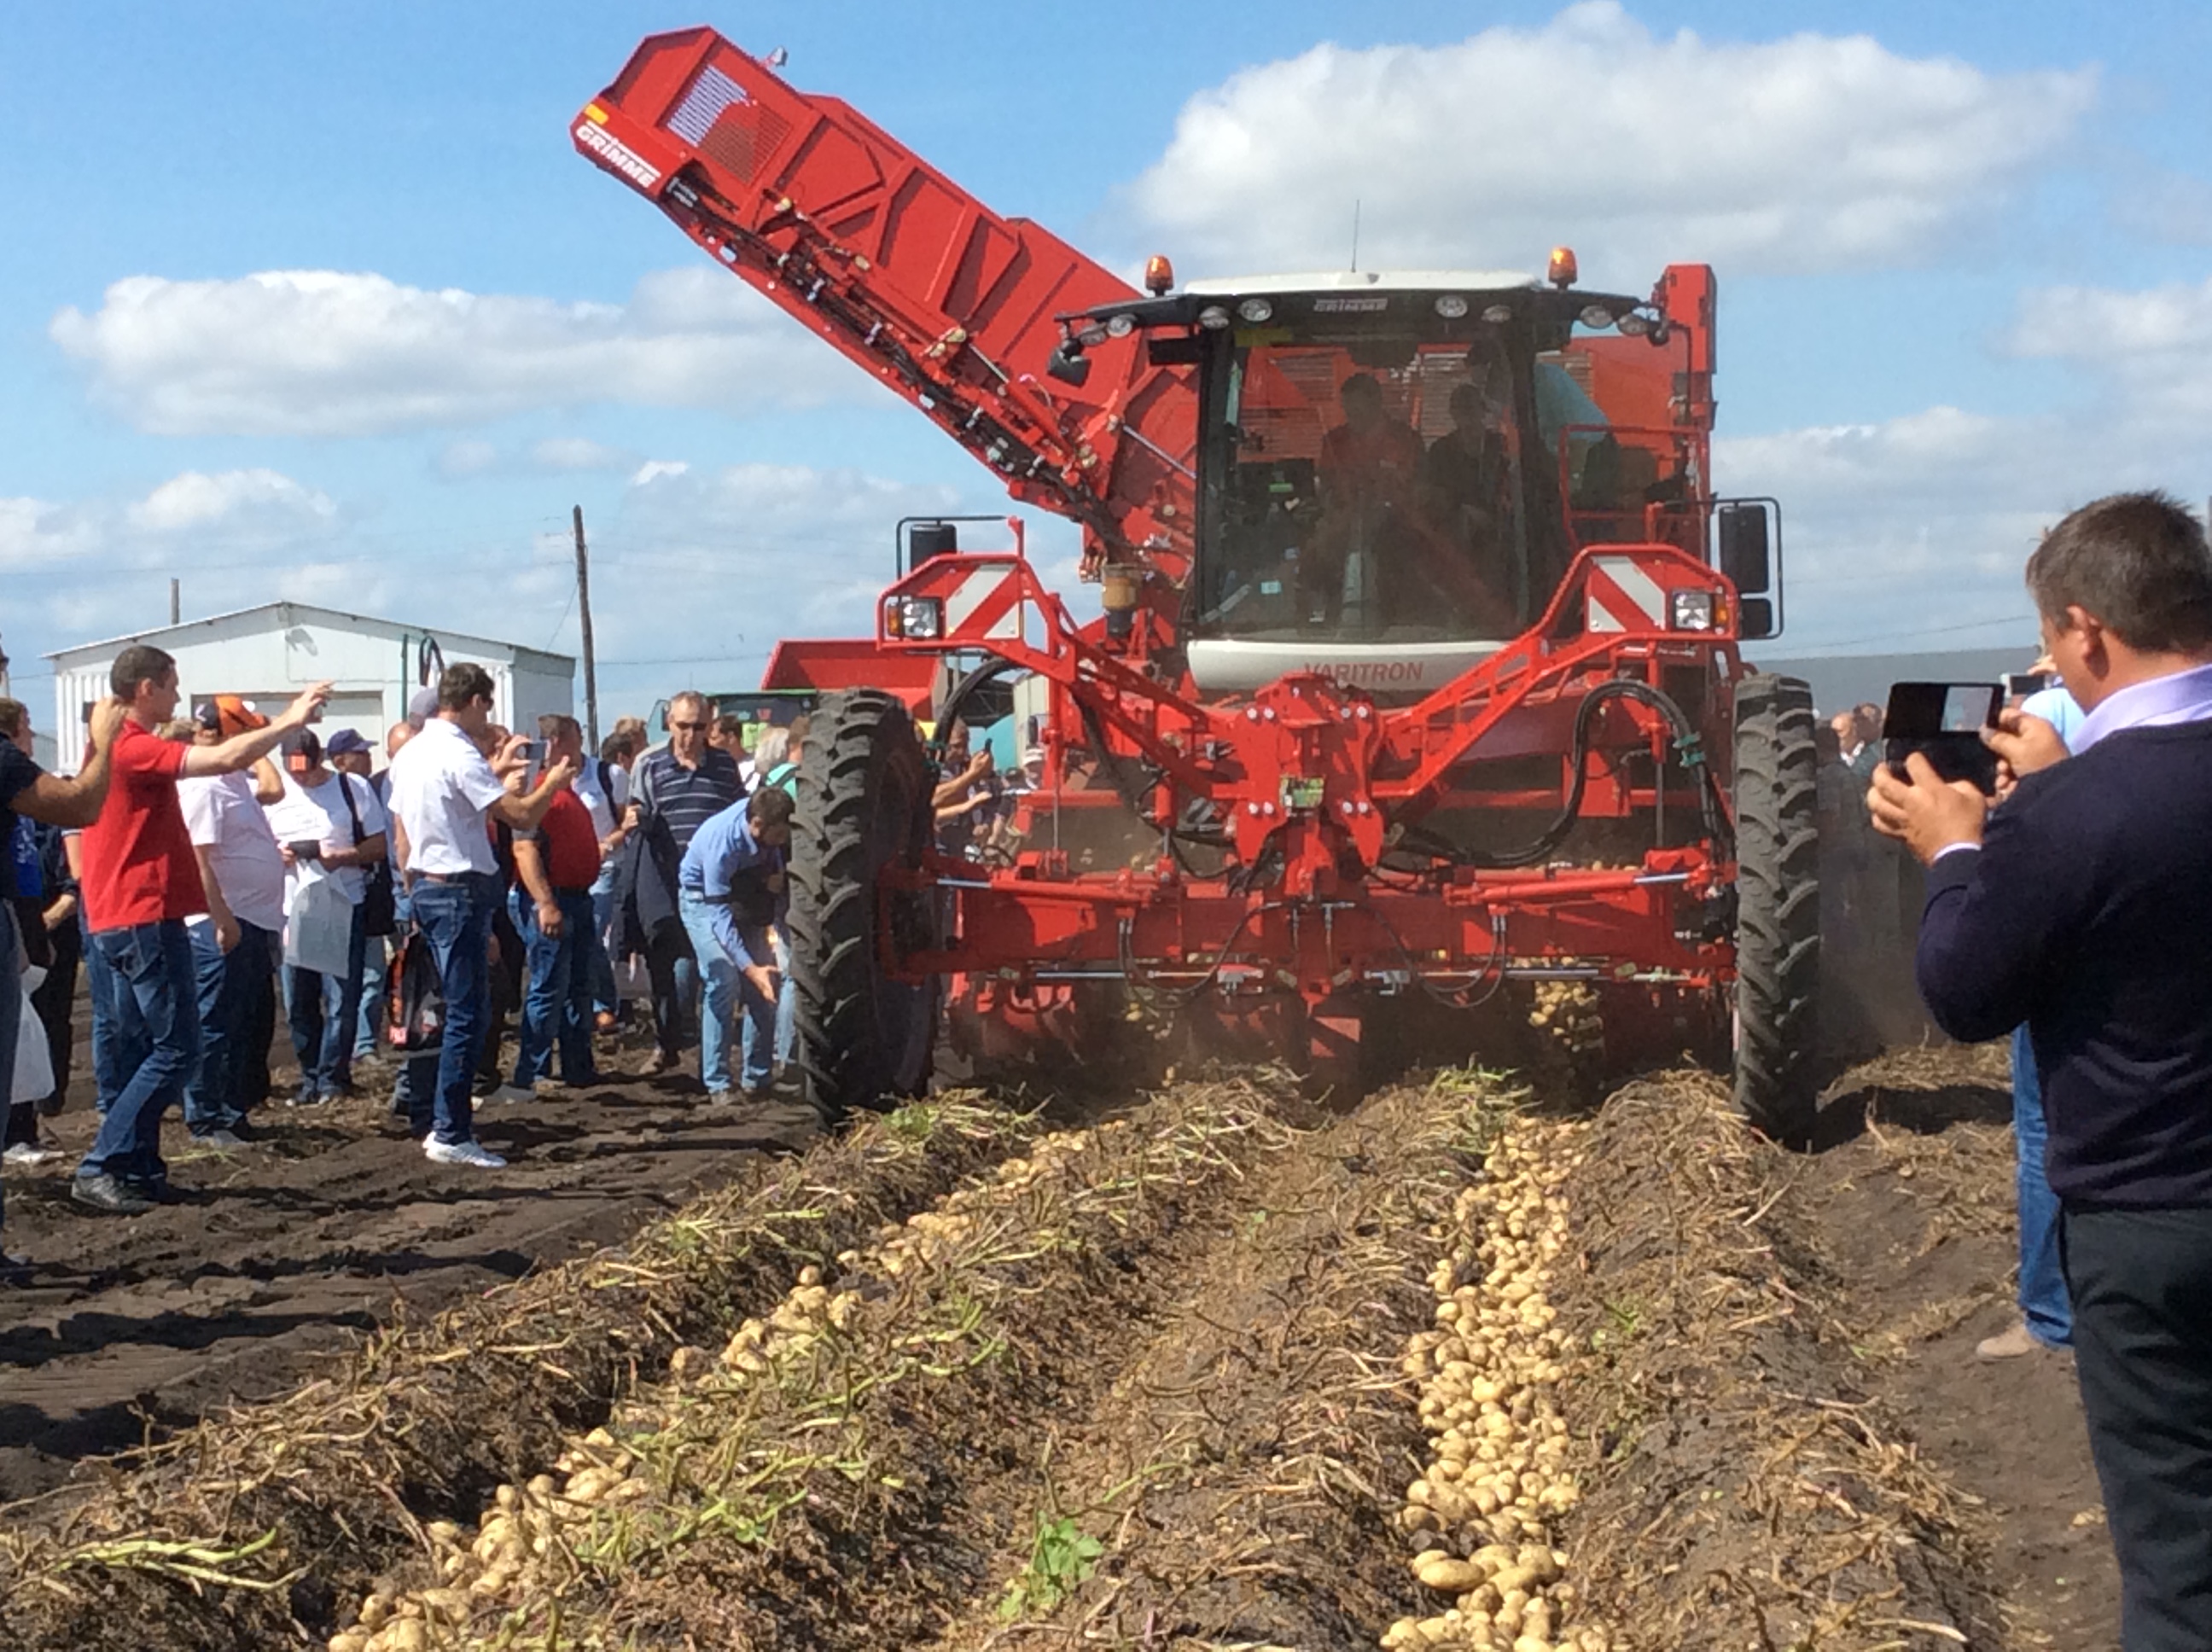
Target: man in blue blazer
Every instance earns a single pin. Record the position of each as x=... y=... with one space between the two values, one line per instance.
x=2083 y=907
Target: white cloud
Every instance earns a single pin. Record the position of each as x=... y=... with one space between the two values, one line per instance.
x=197 y=515
x=469 y=457
x=197 y=500
x=579 y=453
x=1813 y=152
x=323 y=353
x=1924 y=521
x=764 y=551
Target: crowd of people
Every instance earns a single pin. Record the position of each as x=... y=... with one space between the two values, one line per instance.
x=204 y=869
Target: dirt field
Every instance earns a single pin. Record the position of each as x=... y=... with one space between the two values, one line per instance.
x=1212 y=1368
x=302 y=1245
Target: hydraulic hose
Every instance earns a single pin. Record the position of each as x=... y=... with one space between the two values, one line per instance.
x=1689 y=748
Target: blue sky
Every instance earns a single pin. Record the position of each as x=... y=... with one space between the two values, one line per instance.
x=1962 y=251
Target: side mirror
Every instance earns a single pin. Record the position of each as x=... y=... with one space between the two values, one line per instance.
x=1067 y=363
x=1744 y=555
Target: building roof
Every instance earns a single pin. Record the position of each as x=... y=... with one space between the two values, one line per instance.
x=291 y=613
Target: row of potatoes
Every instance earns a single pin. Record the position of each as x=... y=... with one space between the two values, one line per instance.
x=505 y=1559
x=1482 y=1511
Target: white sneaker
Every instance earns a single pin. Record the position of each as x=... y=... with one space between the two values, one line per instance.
x=461 y=1152
x=31 y=1153
x=508 y=1095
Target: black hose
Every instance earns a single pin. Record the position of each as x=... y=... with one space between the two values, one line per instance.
x=1689 y=747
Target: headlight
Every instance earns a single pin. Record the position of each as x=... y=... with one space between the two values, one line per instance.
x=1214 y=317
x=1498 y=314
x=916 y=619
x=1451 y=306
x=1120 y=326
x=1256 y=310
x=1597 y=315
x=1635 y=326
x=1689 y=610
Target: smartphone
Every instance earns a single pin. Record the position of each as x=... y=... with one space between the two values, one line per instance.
x=533 y=757
x=305 y=849
x=2018 y=685
x=1944 y=722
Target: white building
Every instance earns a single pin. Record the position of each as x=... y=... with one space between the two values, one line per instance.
x=268 y=654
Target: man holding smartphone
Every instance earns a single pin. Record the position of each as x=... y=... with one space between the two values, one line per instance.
x=444 y=792
x=2083 y=908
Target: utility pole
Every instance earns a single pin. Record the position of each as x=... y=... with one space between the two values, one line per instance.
x=584 y=622
x=176 y=600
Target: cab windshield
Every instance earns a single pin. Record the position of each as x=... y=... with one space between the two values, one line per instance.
x=1374 y=484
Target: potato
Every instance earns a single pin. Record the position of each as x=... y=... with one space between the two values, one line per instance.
x=374 y=1609
x=348 y=1640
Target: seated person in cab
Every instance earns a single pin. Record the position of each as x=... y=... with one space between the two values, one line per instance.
x=1464 y=479
x=1370 y=457
x=1370 y=468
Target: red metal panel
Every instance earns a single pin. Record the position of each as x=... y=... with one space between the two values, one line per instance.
x=950 y=304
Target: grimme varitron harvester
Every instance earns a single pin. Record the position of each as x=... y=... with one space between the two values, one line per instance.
x=1416 y=685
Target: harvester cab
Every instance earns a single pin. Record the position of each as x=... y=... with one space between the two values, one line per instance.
x=1413 y=694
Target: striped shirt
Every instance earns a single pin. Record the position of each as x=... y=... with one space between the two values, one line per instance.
x=686 y=798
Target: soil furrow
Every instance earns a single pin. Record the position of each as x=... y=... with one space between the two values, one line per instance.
x=250 y=1530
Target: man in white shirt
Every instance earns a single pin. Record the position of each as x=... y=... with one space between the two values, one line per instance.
x=330 y=828
x=444 y=794
x=237 y=940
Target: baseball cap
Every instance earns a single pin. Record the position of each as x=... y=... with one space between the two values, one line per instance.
x=422 y=706
x=344 y=740
x=228 y=714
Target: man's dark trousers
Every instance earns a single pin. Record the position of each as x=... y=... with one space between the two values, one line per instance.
x=238 y=1016
x=155 y=997
x=454 y=915
x=2141 y=1285
x=674 y=973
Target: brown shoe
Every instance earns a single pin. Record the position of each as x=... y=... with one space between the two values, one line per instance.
x=2012 y=1344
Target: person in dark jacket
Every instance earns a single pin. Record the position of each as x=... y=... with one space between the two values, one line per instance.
x=2083 y=908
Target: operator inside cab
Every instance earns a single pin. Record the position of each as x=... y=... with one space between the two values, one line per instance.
x=1371 y=458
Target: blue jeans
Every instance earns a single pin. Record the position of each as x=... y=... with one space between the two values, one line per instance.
x=236 y=1002
x=787 y=1007
x=325 y=1013
x=723 y=991
x=155 y=993
x=113 y=1057
x=374 y=955
x=606 y=906
x=2043 y=1302
x=556 y=1003
x=455 y=917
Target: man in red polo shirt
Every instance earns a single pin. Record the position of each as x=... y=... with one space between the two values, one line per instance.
x=555 y=865
x=140 y=883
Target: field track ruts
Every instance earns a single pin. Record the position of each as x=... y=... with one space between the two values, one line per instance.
x=1215 y=1374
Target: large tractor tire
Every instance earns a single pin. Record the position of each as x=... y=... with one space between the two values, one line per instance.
x=1778 y=926
x=864 y=1039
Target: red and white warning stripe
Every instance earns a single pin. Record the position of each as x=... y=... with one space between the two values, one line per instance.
x=1622 y=596
x=986 y=602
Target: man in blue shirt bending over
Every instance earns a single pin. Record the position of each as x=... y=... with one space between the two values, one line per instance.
x=2084 y=908
x=730 y=888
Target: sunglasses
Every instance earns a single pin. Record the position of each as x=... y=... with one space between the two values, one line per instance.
x=692 y=728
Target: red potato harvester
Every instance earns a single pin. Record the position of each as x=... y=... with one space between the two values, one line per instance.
x=1415 y=695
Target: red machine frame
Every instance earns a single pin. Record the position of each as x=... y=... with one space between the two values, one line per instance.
x=957 y=308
